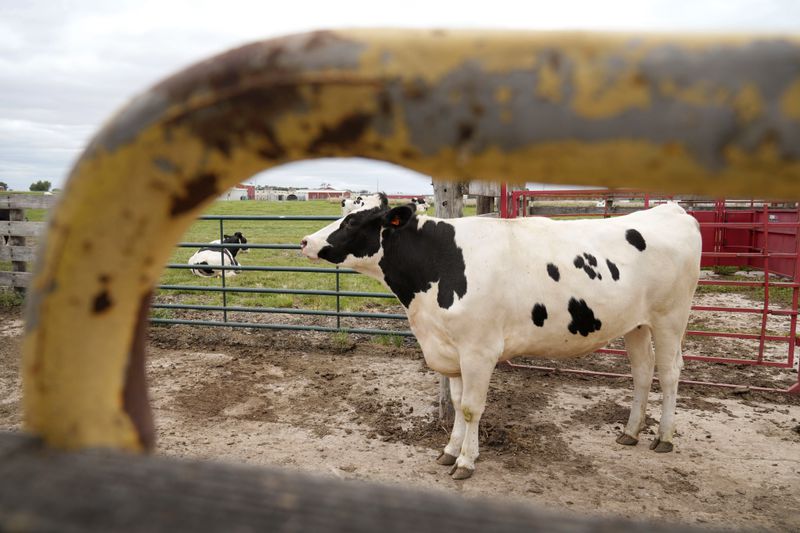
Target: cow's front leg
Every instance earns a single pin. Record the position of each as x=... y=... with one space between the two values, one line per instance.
x=453 y=448
x=475 y=376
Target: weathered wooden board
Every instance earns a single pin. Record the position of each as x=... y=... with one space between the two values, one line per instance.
x=104 y=491
x=26 y=201
x=15 y=279
x=17 y=253
x=21 y=229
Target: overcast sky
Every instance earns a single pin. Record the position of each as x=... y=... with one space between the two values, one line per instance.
x=66 y=66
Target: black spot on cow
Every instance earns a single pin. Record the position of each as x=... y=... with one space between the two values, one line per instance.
x=583 y=320
x=580 y=263
x=539 y=314
x=101 y=302
x=205 y=271
x=416 y=257
x=553 y=272
x=413 y=257
x=613 y=269
x=635 y=239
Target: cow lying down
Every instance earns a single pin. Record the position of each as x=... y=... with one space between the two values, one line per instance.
x=478 y=291
x=217 y=255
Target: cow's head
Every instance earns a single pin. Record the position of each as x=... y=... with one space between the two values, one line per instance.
x=356 y=239
x=236 y=238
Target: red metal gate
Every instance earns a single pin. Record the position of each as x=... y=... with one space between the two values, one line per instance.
x=757 y=236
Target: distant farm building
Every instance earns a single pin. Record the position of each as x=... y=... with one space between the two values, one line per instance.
x=240 y=192
x=275 y=194
x=325 y=194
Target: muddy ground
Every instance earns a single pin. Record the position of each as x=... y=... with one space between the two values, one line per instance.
x=357 y=409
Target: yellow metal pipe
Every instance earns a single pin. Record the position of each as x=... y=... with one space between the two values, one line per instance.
x=710 y=115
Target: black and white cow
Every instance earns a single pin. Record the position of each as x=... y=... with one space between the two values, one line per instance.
x=421 y=205
x=349 y=205
x=362 y=202
x=478 y=291
x=218 y=255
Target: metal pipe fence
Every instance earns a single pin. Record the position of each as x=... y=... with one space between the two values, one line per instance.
x=225 y=289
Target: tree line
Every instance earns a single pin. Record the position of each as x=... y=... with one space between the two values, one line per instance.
x=36 y=186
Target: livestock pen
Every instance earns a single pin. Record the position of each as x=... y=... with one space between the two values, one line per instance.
x=376 y=94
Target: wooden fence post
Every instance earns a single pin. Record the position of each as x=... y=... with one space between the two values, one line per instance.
x=486 y=193
x=17 y=215
x=449 y=200
x=14 y=226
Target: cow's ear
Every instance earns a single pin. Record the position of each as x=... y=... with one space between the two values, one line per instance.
x=398 y=217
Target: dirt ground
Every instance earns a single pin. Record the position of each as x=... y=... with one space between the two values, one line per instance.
x=363 y=410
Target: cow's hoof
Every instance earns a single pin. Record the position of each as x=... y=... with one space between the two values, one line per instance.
x=660 y=446
x=627 y=440
x=445 y=459
x=462 y=472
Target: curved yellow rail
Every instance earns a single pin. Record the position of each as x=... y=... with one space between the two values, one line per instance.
x=694 y=114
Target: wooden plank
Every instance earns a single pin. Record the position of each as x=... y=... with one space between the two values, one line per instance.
x=26 y=201
x=18 y=253
x=13 y=443
x=15 y=279
x=105 y=491
x=21 y=228
x=483 y=188
x=448 y=199
x=17 y=216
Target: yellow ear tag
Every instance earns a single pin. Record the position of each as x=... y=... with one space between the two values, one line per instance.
x=395 y=221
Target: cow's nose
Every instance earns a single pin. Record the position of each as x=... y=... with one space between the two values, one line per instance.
x=303 y=243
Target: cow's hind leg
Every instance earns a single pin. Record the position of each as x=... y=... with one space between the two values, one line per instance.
x=475 y=376
x=669 y=361
x=640 y=352
x=453 y=448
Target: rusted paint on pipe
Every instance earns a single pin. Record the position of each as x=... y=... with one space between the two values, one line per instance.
x=710 y=115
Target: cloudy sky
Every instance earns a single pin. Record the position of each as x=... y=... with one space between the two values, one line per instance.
x=66 y=66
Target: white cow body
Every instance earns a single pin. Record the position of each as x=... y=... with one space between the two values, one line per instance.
x=662 y=282
x=479 y=291
x=207 y=258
